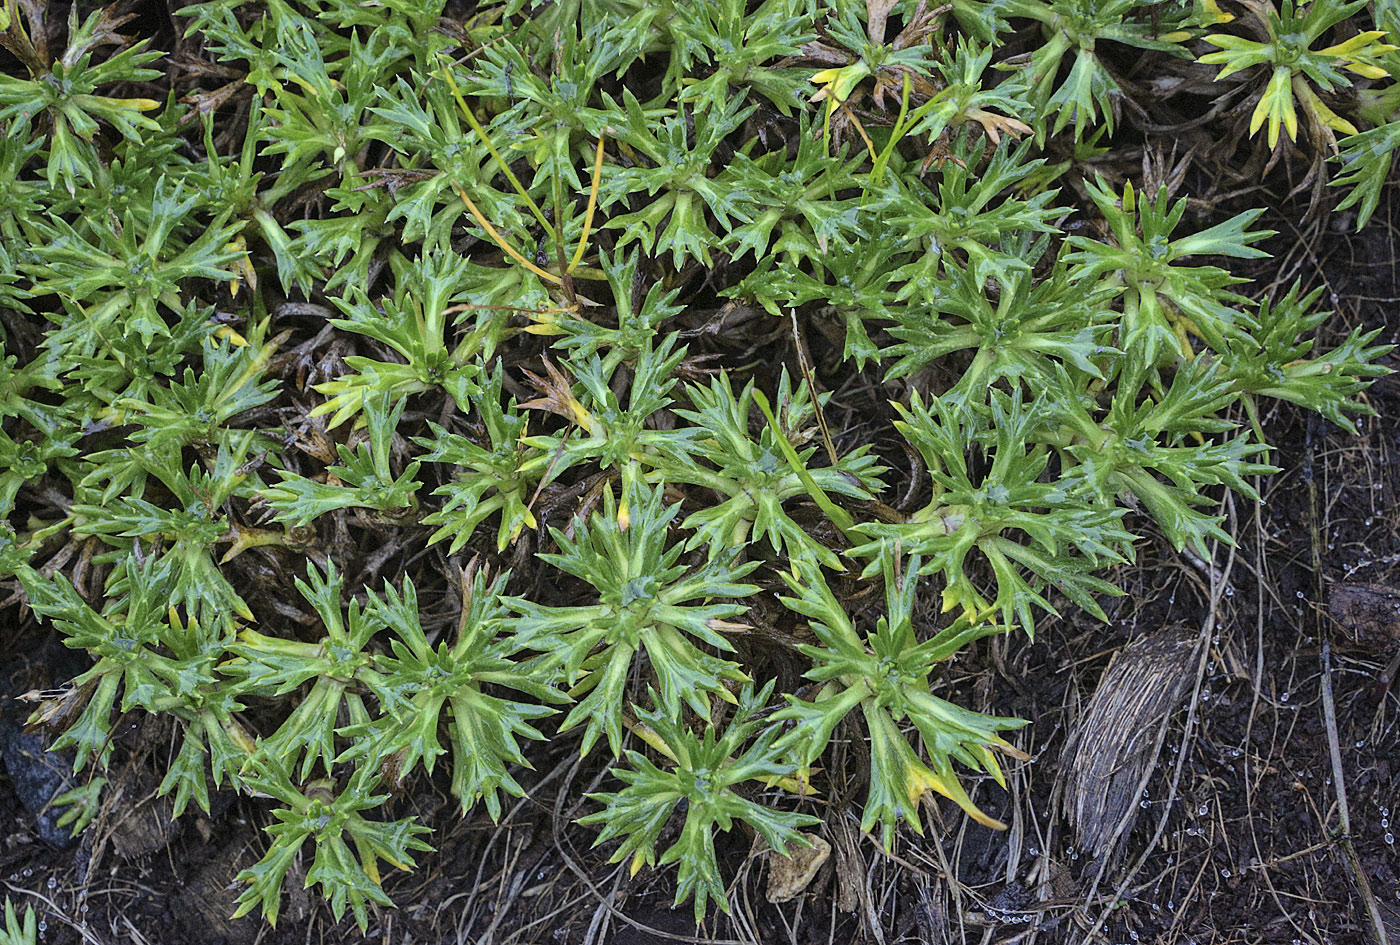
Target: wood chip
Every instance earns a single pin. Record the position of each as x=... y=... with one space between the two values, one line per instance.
x=789 y=875
x=850 y=867
x=1117 y=739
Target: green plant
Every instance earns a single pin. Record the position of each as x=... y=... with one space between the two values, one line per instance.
x=1292 y=29
x=339 y=667
x=348 y=845
x=155 y=663
x=448 y=680
x=185 y=534
x=604 y=431
x=495 y=477
x=858 y=51
x=681 y=147
x=702 y=775
x=387 y=395
x=364 y=479
x=415 y=324
x=64 y=89
x=646 y=603
x=1274 y=362
x=885 y=674
x=741 y=46
x=1068 y=539
x=1165 y=303
x=753 y=477
x=16 y=932
x=1088 y=90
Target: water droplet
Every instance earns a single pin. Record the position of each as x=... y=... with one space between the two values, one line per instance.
x=1389 y=839
x=1300 y=595
x=1229 y=592
x=1361 y=744
x=53 y=880
x=1203 y=809
x=1283 y=697
x=1225 y=873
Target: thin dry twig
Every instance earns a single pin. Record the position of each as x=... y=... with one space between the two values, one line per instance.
x=1358 y=873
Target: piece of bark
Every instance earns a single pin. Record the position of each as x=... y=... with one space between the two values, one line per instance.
x=1368 y=613
x=1118 y=738
x=143 y=827
x=850 y=868
x=208 y=901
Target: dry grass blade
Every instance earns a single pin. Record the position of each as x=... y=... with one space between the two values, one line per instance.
x=1363 y=885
